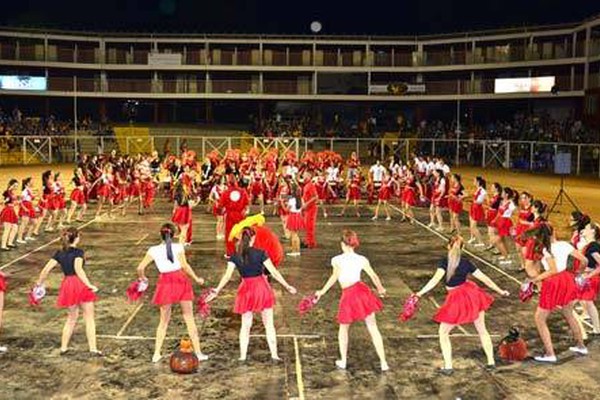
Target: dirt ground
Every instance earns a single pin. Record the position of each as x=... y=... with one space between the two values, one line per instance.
x=403 y=255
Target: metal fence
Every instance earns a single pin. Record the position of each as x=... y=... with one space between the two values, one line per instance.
x=515 y=155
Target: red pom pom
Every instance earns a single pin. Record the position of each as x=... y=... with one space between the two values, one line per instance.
x=306 y=304
x=411 y=305
x=202 y=306
x=36 y=294
x=526 y=292
x=136 y=290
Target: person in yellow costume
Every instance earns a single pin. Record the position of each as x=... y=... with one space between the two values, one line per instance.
x=265 y=239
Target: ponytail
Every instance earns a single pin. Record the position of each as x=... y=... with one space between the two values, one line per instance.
x=167 y=231
x=243 y=245
x=68 y=237
x=11 y=182
x=481 y=182
x=452 y=265
x=25 y=182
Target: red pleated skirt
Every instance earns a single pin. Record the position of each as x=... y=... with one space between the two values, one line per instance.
x=78 y=196
x=103 y=191
x=294 y=222
x=173 y=287
x=73 y=292
x=409 y=197
x=182 y=215
x=503 y=225
x=254 y=295
x=533 y=252
x=455 y=206
x=519 y=231
x=385 y=193
x=590 y=293
x=134 y=189
x=2 y=284
x=463 y=304
x=27 y=210
x=557 y=291
x=476 y=212
x=257 y=189
x=9 y=215
x=354 y=193
x=357 y=303
x=490 y=216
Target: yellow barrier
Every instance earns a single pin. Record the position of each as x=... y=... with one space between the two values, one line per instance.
x=133 y=139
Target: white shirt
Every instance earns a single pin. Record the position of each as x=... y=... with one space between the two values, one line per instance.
x=377 y=171
x=445 y=168
x=509 y=210
x=159 y=255
x=292 y=205
x=26 y=195
x=350 y=265
x=291 y=170
x=480 y=195
x=332 y=174
x=560 y=251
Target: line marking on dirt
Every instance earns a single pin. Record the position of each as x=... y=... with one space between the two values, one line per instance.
x=142 y=239
x=131 y=317
x=462 y=335
x=133 y=337
x=299 y=379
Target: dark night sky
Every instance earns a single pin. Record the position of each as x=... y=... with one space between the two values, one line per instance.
x=392 y=17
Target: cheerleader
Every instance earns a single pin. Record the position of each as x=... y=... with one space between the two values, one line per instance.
x=357 y=303
x=353 y=194
x=558 y=290
x=385 y=193
x=503 y=223
x=333 y=178
x=294 y=221
x=476 y=212
x=257 y=188
x=182 y=212
x=322 y=189
x=78 y=196
x=283 y=193
x=60 y=205
x=532 y=250
x=524 y=223
x=438 y=200
x=353 y=165
x=491 y=214
x=27 y=213
x=173 y=287
x=44 y=203
x=589 y=293
x=578 y=223
x=254 y=294
x=9 y=217
x=76 y=292
x=213 y=199
x=465 y=302
x=412 y=188
x=455 y=202
x=105 y=183
x=3 y=349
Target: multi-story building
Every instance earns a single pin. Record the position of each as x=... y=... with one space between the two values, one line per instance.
x=168 y=71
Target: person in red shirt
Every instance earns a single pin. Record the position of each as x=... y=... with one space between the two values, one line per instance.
x=310 y=199
x=234 y=202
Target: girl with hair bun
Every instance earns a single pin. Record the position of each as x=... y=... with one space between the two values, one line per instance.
x=78 y=196
x=591 y=274
x=76 y=291
x=491 y=214
x=532 y=249
x=357 y=303
x=503 y=222
x=254 y=294
x=173 y=287
x=524 y=223
x=476 y=212
x=465 y=302
x=294 y=222
x=8 y=216
x=455 y=202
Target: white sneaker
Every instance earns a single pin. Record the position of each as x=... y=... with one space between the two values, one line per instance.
x=30 y=239
x=374 y=218
x=479 y=245
x=505 y=262
x=293 y=254
x=340 y=364
x=580 y=350
x=21 y=241
x=3 y=349
x=545 y=359
x=471 y=241
x=385 y=367
x=201 y=356
x=388 y=219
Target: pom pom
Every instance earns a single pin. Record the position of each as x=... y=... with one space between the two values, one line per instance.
x=203 y=306
x=137 y=289
x=526 y=292
x=582 y=282
x=411 y=305
x=306 y=304
x=36 y=294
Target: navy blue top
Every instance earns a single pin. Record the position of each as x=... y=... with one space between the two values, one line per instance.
x=590 y=250
x=66 y=259
x=254 y=267
x=462 y=271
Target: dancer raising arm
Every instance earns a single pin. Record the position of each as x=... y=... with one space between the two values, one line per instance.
x=173 y=287
x=254 y=294
x=465 y=302
x=357 y=303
